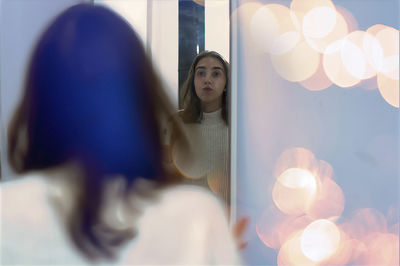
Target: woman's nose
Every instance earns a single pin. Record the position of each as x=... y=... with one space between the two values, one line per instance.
x=208 y=78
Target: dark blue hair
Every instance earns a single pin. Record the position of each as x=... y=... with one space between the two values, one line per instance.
x=89 y=97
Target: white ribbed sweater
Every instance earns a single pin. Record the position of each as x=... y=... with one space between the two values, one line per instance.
x=205 y=163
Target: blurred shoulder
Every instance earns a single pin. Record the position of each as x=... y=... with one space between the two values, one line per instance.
x=28 y=221
x=26 y=199
x=30 y=186
x=192 y=198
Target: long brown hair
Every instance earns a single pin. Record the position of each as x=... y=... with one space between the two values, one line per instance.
x=192 y=112
x=91 y=96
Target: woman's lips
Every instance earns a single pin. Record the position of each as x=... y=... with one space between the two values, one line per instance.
x=207 y=89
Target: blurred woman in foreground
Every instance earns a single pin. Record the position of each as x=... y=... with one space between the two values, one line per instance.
x=87 y=134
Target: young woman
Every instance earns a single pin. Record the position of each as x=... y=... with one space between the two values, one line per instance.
x=205 y=119
x=86 y=136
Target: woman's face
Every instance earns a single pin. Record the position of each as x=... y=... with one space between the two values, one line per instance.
x=209 y=83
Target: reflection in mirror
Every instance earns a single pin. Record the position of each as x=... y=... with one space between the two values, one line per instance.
x=174 y=33
x=204 y=118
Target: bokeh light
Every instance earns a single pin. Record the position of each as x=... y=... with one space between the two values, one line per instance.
x=389 y=89
x=318 y=81
x=322 y=46
x=291 y=253
x=353 y=59
x=285 y=43
x=390 y=67
x=296 y=158
x=274 y=228
x=294 y=191
x=365 y=221
x=298 y=178
x=319 y=22
x=291 y=226
x=300 y=8
x=269 y=226
x=269 y=22
x=320 y=42
x=369 y=51
x=289 y=52
x=346 y=250
x=372 y=50
x=381 y=249
x=335 y=67
x=388 y=76
x=374 y=29
x=308 y=204
x=329 y=202
x=320 y=240
x=388 y=37
x=317 y=44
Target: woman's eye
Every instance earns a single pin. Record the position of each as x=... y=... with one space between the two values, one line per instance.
x=201 y=73
x=216 y=74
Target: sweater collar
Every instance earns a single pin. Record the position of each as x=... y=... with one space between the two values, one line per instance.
x=212 y=118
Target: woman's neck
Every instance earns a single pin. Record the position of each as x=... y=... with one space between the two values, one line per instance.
x=212 y=118
x=211 y=106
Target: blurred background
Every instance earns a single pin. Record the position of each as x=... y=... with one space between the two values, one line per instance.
x=316 y=163
x=314 y=112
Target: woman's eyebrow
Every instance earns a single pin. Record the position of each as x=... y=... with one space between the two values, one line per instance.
x=203 y=67
x=200 y=67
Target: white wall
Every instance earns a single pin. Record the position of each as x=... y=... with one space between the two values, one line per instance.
x=164 y=43
x=217 y=26
x=135 y=12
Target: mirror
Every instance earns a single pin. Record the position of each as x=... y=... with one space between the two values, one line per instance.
x=174 y=32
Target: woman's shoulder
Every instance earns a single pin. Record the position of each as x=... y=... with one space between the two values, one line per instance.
x=189 y=199
x=28 y=187
x=182 y=201
x=190 y=192
x=182 y=216
x=28 y=220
